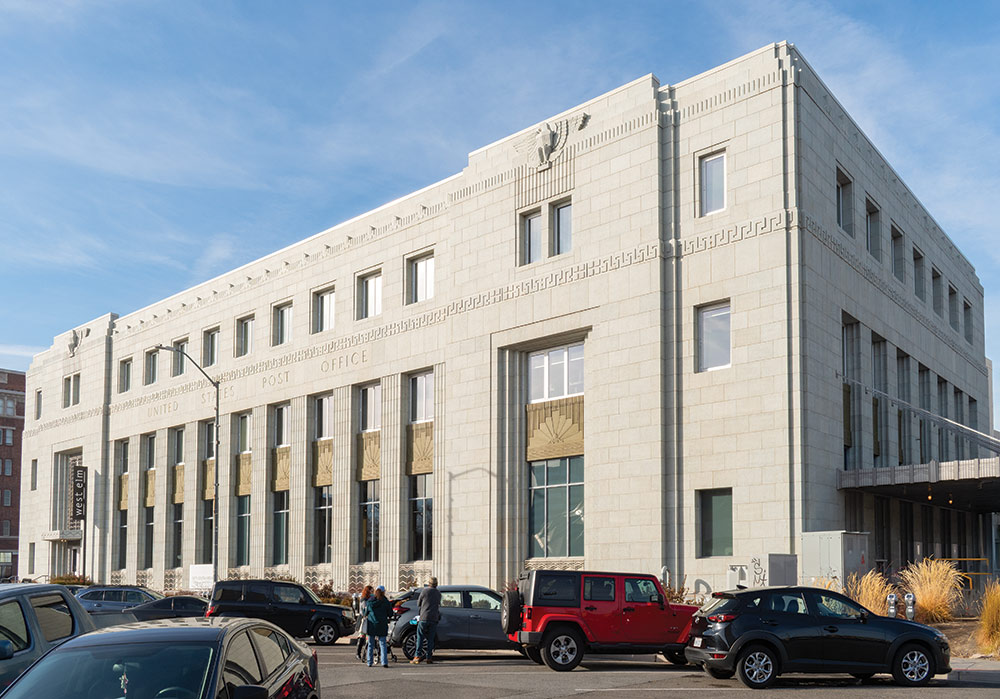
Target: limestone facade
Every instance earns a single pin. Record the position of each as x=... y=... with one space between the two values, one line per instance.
x=301 y=424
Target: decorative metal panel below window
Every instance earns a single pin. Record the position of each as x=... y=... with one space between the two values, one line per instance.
x=369 y=456
x=123 y=491
x=420 y=448
x=244 y=474
x=178 y=484
x=323 y=462
x=208 y=479
x=150 y=499
x=282 y=460
x=554 y=428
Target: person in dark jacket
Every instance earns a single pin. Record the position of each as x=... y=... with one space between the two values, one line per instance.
x=429 y=611
x=378 y=625
x=362 y=630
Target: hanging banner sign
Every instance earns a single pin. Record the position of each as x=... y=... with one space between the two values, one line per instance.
x=78 y=492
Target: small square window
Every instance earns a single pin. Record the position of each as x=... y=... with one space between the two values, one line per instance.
x=562 y=229
x=243 y=439
x=421 y=272
x=281 y=431
x=151 y=368
x=370 y=404
x=179 y=363
x=531 y=238
x=715 y=537
x=422 y=397
x=281 y=324
x=714 y=341
x=323 y=302
x=124 y=375
x=712 y=172
x=244 y=336
x=370 y=295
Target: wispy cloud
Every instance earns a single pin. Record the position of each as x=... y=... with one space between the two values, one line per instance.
x=20 y=350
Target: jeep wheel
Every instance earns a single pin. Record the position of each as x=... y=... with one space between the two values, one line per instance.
x=913 y=666
x=534 y=655
x=510 y=612
x=717 y=673
x=409 y=644
x=757 y=667
x=675 y=656
x=325 y=633
x=562 y=649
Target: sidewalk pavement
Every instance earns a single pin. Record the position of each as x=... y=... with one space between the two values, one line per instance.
x=975 y=670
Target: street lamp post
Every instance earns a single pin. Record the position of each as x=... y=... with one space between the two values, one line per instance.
x=215 y=485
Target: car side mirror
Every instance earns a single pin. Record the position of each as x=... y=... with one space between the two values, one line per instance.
x=864 y=616
x=249 y=691
x=656 y=598
x=6 y=650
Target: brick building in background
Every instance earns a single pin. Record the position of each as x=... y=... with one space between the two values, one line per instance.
x=11 y=428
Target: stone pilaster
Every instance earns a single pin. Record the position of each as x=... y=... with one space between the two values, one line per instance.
x=345 y=488
x=161 y=513
x=260 y=491
x=392 y=486
x=192 y=499
x=225 y=462
x=299 y=537
x=136 y=475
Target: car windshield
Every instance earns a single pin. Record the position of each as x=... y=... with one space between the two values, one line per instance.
x=312 y=596
x=718 y=604
x=121 y=671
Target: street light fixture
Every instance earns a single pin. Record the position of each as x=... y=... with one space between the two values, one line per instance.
x=215 y=493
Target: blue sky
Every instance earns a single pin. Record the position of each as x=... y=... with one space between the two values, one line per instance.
x=146 y=146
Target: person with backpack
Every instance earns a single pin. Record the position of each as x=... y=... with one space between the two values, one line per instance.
x=378 y=625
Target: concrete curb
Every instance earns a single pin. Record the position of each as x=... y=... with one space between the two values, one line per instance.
x=975 y=671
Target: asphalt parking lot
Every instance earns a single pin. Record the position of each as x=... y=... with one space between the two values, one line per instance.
x=494 y=674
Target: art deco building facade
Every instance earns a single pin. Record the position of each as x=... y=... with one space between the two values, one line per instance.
x=678 y=325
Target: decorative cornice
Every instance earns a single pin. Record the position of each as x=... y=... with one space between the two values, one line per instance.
x=876 y=278
x=68 y=419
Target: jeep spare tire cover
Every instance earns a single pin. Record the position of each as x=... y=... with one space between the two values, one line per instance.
x=510 y=612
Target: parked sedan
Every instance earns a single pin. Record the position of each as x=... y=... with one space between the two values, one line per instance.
x=175 y=659
x=111 y=599
x=176 y=607
x=470 y=618
x=759 y=634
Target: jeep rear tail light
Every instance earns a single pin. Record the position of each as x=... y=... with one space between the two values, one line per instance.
x=210 y=611
x=527 y=613
x=719 y=618
x=399 y=609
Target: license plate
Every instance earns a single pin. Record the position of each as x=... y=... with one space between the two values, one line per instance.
x=697 y=642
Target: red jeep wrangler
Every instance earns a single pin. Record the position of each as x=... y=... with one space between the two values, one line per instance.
x=558 y=615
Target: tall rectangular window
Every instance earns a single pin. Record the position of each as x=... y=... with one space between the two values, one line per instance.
x=906 y=533
x=281 y=324
x=147 y=546
x=531 y=238
x=944 y=436
x=31 y=558
x=898 y=261
x=873 y=230
x=124 y=375
x=243 y=438
x=953 y=317
x=38 y=404
x=562 y=229
x=121 y=449
x=421 y=517
x=714 y=337
x=324 y=416
x=368 y=531
x=34 y=474
x=555 y=373
x=716 y=522
x=281 y=431
x=122 y=539
x=177 y=445
x=179 y=358
x=421 y=278
x=8 y=467
x=149 y=451
x=937 y=292
x=322 y=520
x=279 y=549
x=207 y=531
x=71 y=390
x=947 y=545
x=208 y=429
x=959 y=417
x=845 y=206
x=924 y=435
x=919 y=275
x=371 y=407
x=242 y=553
x=370 y=295
x=210 y=347
x=6 y=498
x=927 y=530
x=422 y=397
x=967 y=320
x=713 y=183
x=152 y=358
x=323 y=310
x=555 y=508
x=244 y=336
x=177 y=553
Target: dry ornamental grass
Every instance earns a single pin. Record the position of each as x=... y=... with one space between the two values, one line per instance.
x=988 y=633
x=936 y=584
x=870 y=591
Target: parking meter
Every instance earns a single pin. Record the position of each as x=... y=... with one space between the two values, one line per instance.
x=890 y=601
x=911 y=603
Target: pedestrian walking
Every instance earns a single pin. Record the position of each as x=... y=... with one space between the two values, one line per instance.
x=362 y=628
x=378 y=625
x=429 y=611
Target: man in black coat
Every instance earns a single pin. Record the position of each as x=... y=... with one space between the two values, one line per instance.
x=429 y=610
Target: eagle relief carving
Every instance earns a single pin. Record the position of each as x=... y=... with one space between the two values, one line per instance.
x=544 y=144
